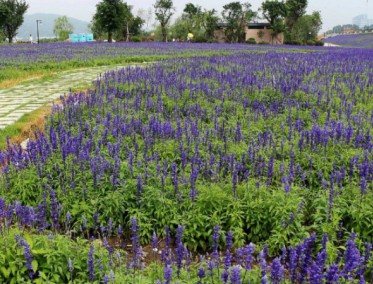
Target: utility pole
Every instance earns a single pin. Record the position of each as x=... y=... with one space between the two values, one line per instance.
x=37 y=29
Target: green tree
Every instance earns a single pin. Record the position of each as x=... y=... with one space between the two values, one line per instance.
x=274 y=12
x=307 y=28
x=11 y=17
x=96 y=29
x=109 y=15
x=130 y=25
x=236 y=15
x=179 y=29
x=210 y=23
x=295 y=10
x=2 y=36
x=192 y=15
x=62 y=28
x=164 y=10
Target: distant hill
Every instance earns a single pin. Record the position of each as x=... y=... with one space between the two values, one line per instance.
x=352 y=40
x=46 y=27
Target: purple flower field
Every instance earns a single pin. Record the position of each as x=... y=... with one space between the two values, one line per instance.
x=22 y=55
x=353 y=40
x=254 y=165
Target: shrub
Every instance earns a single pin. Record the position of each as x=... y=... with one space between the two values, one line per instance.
x=135 y=39
x=251 y=41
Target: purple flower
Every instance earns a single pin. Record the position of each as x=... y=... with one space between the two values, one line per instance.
x=90 y=262
x=351 y=257
x=235 y=275
x=229 y=240
x=201 y=273
x=136 y=248
x=244 y=256
x=154 y=242
x=363 y=185
x=27 y=254
x=225 y=276
x=119 y=231
x=332 y=274
x=179 y=248
x=277 y=271
x=215 y=242
x=70 y=267
x=263 y=265
x=167 y=274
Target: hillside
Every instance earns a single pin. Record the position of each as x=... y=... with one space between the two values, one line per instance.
x=352 y=40
x=46 y=27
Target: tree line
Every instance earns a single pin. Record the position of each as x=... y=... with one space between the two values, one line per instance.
x=116 y=19
x=340 y=29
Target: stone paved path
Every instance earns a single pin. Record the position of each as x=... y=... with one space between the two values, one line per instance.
x=31 y=95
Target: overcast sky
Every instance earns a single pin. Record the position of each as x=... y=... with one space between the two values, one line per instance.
x=334 y=12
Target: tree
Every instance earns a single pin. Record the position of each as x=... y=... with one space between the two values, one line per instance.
x=109 y=15
x=96 y=29
x=62 y=28
x=11 y=16
x=164 y=10
x=210 y=23
x=192 y=15
x=295 y=10
x=130 y=25
x=2 y=36
x=179 y=29
x=274 y=12
x=306 y=28
x=236 y=16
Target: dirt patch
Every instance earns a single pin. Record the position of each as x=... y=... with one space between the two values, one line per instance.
x=14 y=82
x=34 y=125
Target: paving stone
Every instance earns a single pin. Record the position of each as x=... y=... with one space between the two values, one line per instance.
x=18 y=100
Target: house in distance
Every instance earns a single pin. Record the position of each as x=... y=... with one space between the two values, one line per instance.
x=81 y=37
x=261 y=32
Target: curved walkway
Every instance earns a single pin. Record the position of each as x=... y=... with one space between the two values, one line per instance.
x=31 y=95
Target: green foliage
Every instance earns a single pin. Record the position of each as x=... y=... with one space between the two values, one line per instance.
x=251 y=41
x=109 y=15
x=136 y=39
x=295 y=10
x=62 y=28
x=202 y=24
x=11 y=17
x=51 y=254
x=192 y=15
x=210 y=23
x=164 y=10
x=179 y=30
x=307 y=28
x=130 y=25
x=97 y=30
x=2 y=36
x=339 y=29
x=236 y=15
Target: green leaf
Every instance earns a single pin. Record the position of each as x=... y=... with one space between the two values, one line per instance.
x=43 y=275
x=5 y=272
x=34 y=264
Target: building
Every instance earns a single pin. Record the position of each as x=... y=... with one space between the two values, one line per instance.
x=261 y=32
x=81 y=37
x=362 y=21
